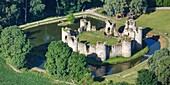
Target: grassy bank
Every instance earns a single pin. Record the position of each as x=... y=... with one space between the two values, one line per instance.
x=129 y=75
x=120 y=59
x=9 y=77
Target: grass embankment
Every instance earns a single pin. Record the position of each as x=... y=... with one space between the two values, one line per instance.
x=159 y=21
x=9 y=77
x=97 y=36
x=120 y=59
x=64 y=23
x=129 y=75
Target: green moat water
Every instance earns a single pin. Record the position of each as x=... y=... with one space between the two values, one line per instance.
x=47 y=33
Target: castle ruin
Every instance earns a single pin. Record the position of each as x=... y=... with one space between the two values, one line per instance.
x=131 y=39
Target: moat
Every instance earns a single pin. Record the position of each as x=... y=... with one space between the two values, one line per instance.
x=41 y=36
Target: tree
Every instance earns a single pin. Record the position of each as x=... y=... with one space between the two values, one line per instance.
x=71 y=17
x=153 y=61
x=57 y=57
x=159 y=64
x=36 y=8
x=108 y=9
x=67 y=65
x=114 y=6
x=145 y=77
x=166 y=3
x=159 y=2
x=163 y=72
x=77 y=67
x=138 y=6
x=14 y=46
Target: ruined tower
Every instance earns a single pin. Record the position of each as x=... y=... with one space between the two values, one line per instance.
x=126 y=48
x=131 y=23
x=101 y=51
x=110 y=27
x=138 y=38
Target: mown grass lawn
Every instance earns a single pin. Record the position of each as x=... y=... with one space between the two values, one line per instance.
x=9 y=77
x=159 y=21
x=97 y=36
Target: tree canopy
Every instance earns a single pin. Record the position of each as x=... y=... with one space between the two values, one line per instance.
x=159 y=64
x=65 y=64
x=145 y=77
x=71 y=18
x=138 y=6
x=14 y=46
x=114 y=6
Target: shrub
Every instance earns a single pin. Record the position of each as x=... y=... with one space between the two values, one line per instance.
x=71 y=18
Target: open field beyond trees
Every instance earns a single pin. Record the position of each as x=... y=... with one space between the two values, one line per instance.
x=9 y=77
x=159 y=21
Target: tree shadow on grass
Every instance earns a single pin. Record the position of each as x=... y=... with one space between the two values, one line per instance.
x=99 y=79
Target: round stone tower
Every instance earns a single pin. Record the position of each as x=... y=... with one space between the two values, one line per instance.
x=138 y=38
x=101 y=50
x=126 y=48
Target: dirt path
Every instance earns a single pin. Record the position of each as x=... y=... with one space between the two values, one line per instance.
x=16 y=70
x=58 y=19
x=59 y=81
x=168 y=38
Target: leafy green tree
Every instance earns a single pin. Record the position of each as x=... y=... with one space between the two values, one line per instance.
x=145 y=77
x=69 y=6
x=114 y=6
x=67 y=65
x=36 y=8
x=71 y=17
x=159 y=2
x=77 y=66
x=108 y=9
x=14 y=46
x=159 y=65
x=166 y=3
x=153 y=61
x=138 y=6
x=163 y=72
x=57 y=57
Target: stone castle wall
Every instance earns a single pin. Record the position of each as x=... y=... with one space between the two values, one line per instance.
x=101 y=51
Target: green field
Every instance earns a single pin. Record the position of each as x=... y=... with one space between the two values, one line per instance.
x=158 y=21
x=97 y=36
x=9 y=77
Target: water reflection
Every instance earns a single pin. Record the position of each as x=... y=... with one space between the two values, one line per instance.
x=153 y=45
x=50 y=32
x=99 y=71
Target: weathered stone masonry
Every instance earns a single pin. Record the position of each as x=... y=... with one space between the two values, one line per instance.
x=101 y=51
